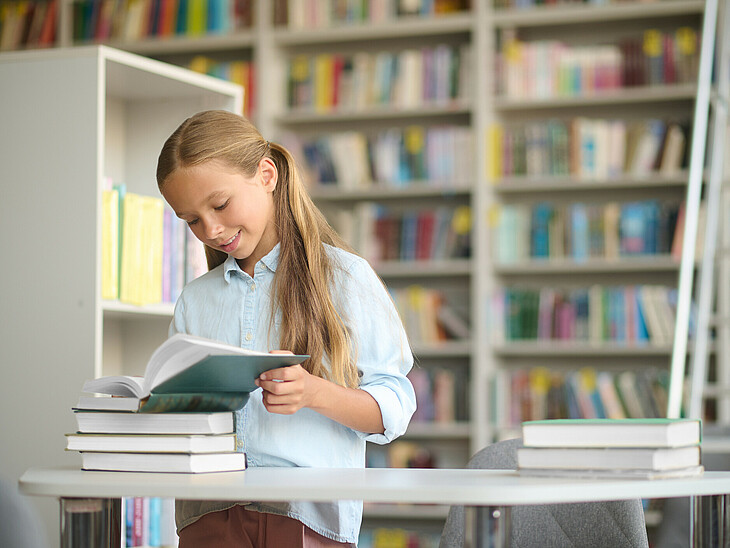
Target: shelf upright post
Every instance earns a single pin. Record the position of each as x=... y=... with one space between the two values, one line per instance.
x=692 y=206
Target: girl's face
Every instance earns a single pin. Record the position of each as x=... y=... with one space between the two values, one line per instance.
x=227 y=210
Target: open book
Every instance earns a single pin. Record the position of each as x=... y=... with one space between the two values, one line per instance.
x=187 y=373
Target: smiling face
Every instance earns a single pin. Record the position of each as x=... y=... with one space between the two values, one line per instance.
x=225 y=209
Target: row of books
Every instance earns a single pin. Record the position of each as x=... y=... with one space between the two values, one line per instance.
x=441 y=395
x=587 y=148
x=428 y=315
x=149 y=522
x=580 y=231
x=28 y=24
x=239 y=72
x=434 y=156
x=401 y=454
x=550 y=68
x=102 y=20
x=148 y=254
x=434 y=234
x=626 y=448
x=410 y=78
x=541 y=393
x=320 y=14
x=397 y=537
x=628 y=314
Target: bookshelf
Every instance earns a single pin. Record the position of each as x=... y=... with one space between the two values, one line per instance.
x=109 y=119
x=536 y=370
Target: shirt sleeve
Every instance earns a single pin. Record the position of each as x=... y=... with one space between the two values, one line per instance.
x=384 y=356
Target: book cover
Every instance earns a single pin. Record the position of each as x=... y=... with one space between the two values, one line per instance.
x=659 y=432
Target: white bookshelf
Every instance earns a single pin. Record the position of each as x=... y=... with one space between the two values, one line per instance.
x=77 y=116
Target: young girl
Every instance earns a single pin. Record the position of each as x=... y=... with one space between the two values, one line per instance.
x=281 y=278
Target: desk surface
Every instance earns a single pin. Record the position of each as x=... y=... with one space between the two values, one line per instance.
x=419 y=486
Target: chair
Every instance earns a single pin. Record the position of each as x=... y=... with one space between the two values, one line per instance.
x=612 y=524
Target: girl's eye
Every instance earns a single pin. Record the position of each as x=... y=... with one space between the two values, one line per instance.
x=223 y=206
x=193 y=222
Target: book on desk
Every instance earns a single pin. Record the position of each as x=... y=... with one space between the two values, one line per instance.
x=611 y=448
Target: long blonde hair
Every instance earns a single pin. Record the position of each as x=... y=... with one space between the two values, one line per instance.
x=303 y=280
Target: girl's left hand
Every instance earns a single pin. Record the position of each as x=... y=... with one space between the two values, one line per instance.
x=287 y=389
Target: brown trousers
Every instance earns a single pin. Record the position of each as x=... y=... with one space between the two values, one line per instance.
x=240 y=528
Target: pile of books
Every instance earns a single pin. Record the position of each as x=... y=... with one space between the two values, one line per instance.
x=156 y=442
x=611 y=448
x=179 y=417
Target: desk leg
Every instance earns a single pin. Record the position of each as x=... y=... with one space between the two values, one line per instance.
x=91 y=523
x=487 y=526
x=710 y=521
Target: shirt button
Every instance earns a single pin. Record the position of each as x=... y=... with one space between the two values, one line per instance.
x=239 y=443
x=253 y=286
x=249 y=336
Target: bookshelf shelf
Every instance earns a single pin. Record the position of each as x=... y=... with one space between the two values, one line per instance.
x=403 y=27
x=385 y=193
x=646 y=263
x=668 y=93
x=424 y=269
x=443 y=349
x=120 y=310
x=385 y=113
x=183 y=45
x=528 y=185
x=577 y=349
x=580 y=15
x=434 y=430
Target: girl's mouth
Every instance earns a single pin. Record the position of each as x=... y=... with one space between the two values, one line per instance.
x=232 y=244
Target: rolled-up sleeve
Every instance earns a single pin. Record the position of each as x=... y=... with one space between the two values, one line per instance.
x=384 y=356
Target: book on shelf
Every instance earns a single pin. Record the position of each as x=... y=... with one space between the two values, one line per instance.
x=193 y=463
x=151 y=443
x=657 y=432
x=114 y=422
x=188 y=373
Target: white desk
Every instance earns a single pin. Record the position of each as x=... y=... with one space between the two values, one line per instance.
x=487 y=494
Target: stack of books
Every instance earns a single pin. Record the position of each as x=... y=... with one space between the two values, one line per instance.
x=611 y=448
x=179 y=417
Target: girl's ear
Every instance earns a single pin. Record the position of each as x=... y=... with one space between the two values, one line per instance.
x=269 y=174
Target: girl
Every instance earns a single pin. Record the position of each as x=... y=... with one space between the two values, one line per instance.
x=280 y=277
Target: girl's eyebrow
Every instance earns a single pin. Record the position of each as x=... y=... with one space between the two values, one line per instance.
x=212 y=196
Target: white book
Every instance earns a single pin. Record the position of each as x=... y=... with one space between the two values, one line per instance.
x=112 y=422
x=611 y=432
x=610 y=458
x=151 y=443
x=164 y=462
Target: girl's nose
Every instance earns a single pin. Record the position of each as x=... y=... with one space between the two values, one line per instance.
x=212 y=229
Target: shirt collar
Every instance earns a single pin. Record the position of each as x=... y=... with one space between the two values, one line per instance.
x=270 y=261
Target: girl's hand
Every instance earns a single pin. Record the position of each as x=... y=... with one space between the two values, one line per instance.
x=288 y=389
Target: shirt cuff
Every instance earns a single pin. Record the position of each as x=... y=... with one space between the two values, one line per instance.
x=395 y=413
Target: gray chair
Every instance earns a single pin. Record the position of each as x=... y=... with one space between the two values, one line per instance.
x=595 y=524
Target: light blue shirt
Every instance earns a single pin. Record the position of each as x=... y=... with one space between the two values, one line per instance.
x=228 y=305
